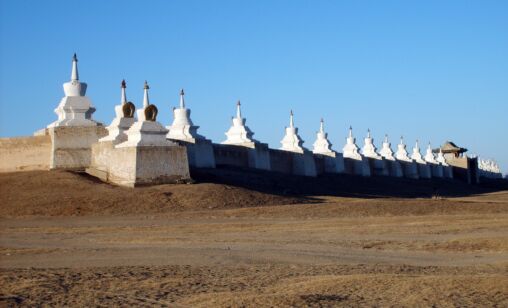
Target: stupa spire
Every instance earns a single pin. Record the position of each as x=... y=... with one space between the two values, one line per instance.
x=74 y=73
x=322 y=145
x=123 y=120
x=239 y=133
x=350 y=150
x=182 y=101
x=401 y=153
x=124 y=96
x=369 y=150
x=78 y=110
x=182 y=127
x=146 y=102
x=292 y=141
x=386 y=150
x=238 y=111
x=429 y=156
x=416 y=155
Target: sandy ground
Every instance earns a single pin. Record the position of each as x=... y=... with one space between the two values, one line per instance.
x=336 y=252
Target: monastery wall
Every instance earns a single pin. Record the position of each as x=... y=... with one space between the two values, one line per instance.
x=464 y=168
x=138 y=150
x=137 y=166
x=256 y=157
x=231 y=155
x=281 y=161
x=25 y=153
x=71 y=146
x=319 y=162
x=200 y=154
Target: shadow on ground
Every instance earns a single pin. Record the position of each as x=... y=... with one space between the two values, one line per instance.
x=342 y=185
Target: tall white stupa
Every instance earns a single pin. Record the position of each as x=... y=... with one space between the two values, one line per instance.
x=395 y=169
x=429 y=156
x=441 y=158
x=401 y=153
x=239 y=133
x=430 y=159
x=410 y=167
x=416 y=155
x=146 y=131
x=424 y=170
x=292 y=141
x=369 y=149
x=182 y=128
x=350 y=150
x=75 y=109
x=386 y=149
x=447 y=169
x=123 y=120
x=322 y=145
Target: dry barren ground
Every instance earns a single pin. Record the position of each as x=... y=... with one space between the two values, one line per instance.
x=109 y=246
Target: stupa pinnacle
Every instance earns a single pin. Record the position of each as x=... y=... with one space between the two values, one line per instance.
x=292 y=141
x=416 y=155
x=123 y=98
x=369 y=150
x=401 y=153
x=386 y=150
x=146 y=131
x=239 y=133
x=429 y=156
x=75 y=109
x=350 y=150
x=124 y=118
x=74 y=72
x=182 y=127
x=322 y=145
x=146 y=101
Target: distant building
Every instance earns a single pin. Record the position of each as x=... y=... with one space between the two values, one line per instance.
x=464 y=168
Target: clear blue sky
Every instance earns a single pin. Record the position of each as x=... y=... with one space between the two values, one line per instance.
x=432 y=70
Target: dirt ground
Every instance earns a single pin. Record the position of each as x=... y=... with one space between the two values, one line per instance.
x=66 y=240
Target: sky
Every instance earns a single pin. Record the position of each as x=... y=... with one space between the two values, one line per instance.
x=427 y=70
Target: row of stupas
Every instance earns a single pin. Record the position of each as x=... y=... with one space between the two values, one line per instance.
x=136 y=149
x=489 y=168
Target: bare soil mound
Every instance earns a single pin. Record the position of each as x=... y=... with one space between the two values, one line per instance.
x=61 y=193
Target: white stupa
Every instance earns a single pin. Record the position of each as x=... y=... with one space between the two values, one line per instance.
x=386 y=150
x=182 y=128
x=424 y=169
x=369 y=149
x=239 y=133
x=416 y=155
x=401 y=153
x=75 y=109
x=146 y=131
x=123 y=120
x=489 y=168
x=350 y=150
x=441 y=158
x=429 y=156
x=437 y=170
x=291 y=141
x=322 y=145
x=447 y=169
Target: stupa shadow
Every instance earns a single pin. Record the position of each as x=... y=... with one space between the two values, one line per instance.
x=312 y=189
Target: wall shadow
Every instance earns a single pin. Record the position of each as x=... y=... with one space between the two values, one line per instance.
x=342 y=185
